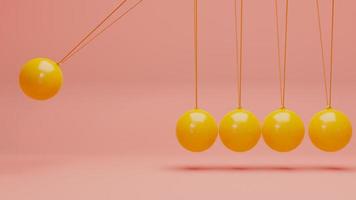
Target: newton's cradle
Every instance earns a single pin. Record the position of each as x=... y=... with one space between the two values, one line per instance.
x=239 y=130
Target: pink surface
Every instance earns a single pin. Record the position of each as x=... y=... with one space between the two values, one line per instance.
x=157 y=177
x=114 y=119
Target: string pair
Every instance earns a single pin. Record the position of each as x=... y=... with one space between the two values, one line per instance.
x=96 y=31
x=329 y=130
x=42 y=83
x=282 y=69
x=327 y=84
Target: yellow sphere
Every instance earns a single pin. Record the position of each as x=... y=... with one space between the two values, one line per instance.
x=196 y=130
x=40 y=78
x=283 y=130
x=240 y=130
x=330 y=130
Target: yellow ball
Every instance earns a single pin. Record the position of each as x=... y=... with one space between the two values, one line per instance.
x=196 y=130
x=283 y=130
x=40 y=78
x=330 y=130
x=240 y=130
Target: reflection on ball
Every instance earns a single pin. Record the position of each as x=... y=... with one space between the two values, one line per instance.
x=283 y=130
x=196 y=130
x=40 y=78
x=330 y=130
x=240 y=130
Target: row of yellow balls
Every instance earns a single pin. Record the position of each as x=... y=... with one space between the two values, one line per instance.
x=240 y=130
x=283 y=130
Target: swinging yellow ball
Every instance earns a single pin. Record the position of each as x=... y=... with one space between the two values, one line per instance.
x=240 y=130
x=330 y=130
x=40 y=78
x=196 y=130
x=283 y=130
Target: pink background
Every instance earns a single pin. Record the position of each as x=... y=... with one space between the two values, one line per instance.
x=110 y=133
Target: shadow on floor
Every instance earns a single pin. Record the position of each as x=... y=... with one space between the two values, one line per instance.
x=263 y=168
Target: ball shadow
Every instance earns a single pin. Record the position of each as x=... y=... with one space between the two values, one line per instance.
x=263 y=168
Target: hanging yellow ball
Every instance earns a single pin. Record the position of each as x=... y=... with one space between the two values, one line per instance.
x=196 y=130
x=283 y=130
x=240 y=130
x=330 y=130
x=40 y=78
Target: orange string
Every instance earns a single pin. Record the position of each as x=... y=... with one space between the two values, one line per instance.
x=322 y=53
x=327 y=90
x=239 y=52
x=285 y=53
x=196 y=51
x=331 y=51
x=74 y=49
x=278 y=51
x=282 y=71
x=102 y=31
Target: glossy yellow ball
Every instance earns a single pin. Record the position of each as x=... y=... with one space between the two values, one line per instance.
x=40 y=78
x=283 y=130
x=330 y=130
x=196 y=130
x=240 y=130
